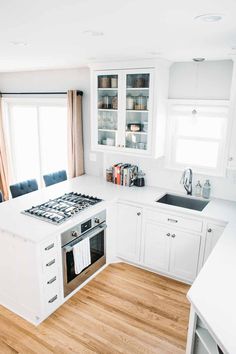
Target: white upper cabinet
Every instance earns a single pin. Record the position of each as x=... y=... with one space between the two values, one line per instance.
x=122 y=111
x=128 y=110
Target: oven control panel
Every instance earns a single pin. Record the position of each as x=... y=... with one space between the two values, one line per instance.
x=81 y=228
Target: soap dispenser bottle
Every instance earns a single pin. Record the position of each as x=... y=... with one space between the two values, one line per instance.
x=206 y=190
x=198 y=189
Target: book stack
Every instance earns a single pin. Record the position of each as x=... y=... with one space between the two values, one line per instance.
x=124 y=174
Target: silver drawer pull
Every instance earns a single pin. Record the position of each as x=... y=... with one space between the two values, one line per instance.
x=49 y=247
x=173 y=235
x=209 y=230
x=52 y=299
x=50 y=263
x=168 y=234
x=52 y=280
x=172 y=220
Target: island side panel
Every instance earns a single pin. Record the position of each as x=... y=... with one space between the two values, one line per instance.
x=20 y=289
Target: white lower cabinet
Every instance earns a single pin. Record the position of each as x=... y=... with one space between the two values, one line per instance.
x=184 y=255
x=156 y=247
x=148 y=237
x=129 y=227
x=213 y=234
x=171 y=251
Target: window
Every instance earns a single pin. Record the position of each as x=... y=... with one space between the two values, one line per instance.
x=37 y=137
x=197 y=135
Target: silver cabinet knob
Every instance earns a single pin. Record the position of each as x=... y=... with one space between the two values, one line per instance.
x=139 y=213
x=74 y=234
x=168 y=234
x=173 y=235
x=209 y=230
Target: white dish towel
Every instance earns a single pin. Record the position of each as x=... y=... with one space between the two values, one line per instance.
x=82 y=256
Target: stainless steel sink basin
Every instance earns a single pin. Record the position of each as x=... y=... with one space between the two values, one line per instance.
x=183 y=202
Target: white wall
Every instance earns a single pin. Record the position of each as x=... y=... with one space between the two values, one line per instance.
x=214 y=83
x=58 y=80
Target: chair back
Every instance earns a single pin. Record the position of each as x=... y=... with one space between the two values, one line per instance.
x=24 y=187
x=55 y=177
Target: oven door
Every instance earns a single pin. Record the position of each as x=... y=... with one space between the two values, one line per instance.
x=97 y=237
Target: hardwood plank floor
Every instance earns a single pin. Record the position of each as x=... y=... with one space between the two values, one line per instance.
x=123 y=310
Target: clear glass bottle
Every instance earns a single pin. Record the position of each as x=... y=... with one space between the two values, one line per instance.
x=206 y=190
x=198 y=189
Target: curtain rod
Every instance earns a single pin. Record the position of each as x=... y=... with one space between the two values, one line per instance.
x=39 y=93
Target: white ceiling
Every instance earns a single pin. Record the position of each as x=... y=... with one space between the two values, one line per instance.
x=54 y=31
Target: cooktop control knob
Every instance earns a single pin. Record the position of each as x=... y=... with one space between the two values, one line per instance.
x=74 y=233
x=97 y=221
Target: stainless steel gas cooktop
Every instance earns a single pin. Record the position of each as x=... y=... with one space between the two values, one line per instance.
x=62 y=208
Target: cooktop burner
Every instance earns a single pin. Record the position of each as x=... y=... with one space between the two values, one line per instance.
x=62 y=208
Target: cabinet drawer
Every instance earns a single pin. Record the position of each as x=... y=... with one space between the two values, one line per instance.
x=174 y=220
x=49 y=250
x=51 y=302
x=50 y=265
x=51 y=288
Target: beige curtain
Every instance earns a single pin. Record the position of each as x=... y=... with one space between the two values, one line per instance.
x=75 y=134
x=4 y=173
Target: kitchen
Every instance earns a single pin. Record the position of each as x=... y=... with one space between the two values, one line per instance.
x=147 y=267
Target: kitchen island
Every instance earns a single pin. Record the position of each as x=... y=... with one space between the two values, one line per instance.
x=24 y=239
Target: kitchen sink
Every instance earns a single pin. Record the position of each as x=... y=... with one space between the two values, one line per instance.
x=183 y=202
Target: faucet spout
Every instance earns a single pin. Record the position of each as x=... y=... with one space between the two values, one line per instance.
x=187 y=179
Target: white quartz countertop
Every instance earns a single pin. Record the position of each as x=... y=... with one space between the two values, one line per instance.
x=213 y=293
x=12 y=220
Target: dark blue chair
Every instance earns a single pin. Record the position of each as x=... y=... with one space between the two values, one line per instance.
x=55 y=177
x=24 y=187
x=1 y=197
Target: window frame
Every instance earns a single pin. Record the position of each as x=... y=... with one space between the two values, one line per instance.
x=37 y=102
x=221 y=168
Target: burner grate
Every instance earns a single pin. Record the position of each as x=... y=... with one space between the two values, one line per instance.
x=61 y=209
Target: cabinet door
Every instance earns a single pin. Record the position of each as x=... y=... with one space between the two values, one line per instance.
x=129 y=232
x=156 y=246
x=184 y=255
x=213 y=234
x=106 y=110
x=138 y=88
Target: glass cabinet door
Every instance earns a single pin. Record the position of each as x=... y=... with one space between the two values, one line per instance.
x=137 y=110
x=107 y=109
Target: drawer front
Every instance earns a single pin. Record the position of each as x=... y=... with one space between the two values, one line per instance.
x=174 y=220
x=49 y=249
x=50 y=265
x=51 y=302
x=51 y=287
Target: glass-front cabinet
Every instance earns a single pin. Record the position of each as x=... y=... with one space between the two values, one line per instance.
x=122 y=112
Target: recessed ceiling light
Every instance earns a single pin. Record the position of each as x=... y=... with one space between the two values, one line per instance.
x=209 y=17
x=199 y=60
x=93 y=33
x=19 y=43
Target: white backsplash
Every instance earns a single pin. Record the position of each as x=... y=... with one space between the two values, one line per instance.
x=158 y=176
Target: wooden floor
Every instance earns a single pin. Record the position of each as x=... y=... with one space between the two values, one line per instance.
x=123 y=310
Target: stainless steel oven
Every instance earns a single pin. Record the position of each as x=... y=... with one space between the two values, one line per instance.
x=93 y=228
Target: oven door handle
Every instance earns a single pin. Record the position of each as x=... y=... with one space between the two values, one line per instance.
x=90 y=234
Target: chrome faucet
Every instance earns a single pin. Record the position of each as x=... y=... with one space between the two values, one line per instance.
x=187 y=179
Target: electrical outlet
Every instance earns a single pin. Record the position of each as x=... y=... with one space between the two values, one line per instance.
x=92 y=157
